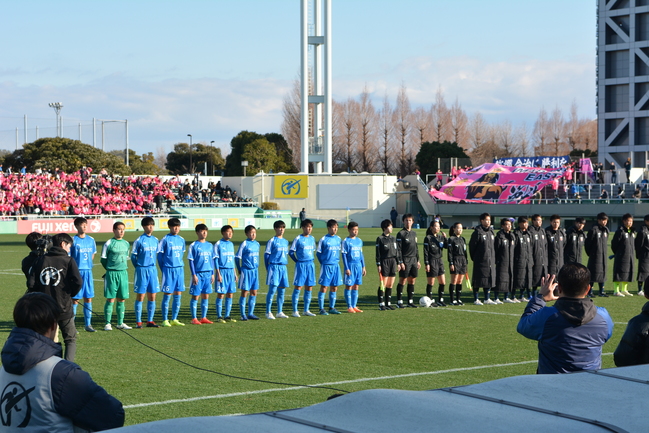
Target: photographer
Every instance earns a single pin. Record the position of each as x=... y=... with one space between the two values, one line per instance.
x=572 y=332
x=57 y=274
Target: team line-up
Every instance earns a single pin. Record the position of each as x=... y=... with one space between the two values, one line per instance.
x=506 y=262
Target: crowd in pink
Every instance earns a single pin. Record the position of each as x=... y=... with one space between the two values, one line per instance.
x=81 y=193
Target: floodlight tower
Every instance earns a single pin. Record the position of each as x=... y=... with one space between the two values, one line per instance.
x=57 y=109
x=316 y=106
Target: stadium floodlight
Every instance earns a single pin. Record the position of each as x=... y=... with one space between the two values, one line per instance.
x=190 y=153
x=57 y=109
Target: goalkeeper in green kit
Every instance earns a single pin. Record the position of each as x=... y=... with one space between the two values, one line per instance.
x=114 y=258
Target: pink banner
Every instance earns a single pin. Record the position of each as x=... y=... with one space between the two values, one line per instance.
x=55 y=226
x=493 y=183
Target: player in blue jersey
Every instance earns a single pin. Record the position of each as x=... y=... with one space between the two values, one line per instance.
x=226 y=278
x=302 y=252
x=171 y=249
x=247 y=262
x=328 y=254
x=354 y=266
x=143 y=257
x=275 y=260
x=201 y=263
x=83 y=252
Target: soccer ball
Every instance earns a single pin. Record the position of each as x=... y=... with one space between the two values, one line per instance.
x=425 y=301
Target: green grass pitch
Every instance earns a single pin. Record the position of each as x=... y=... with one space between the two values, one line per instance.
x=413 y=349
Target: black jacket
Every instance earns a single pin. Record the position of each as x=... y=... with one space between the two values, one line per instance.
x=456 y=248
x=57 y=274
x=523 y=259
x=407 y=245
x=634 y=346
x=540 y=254
x=623 y=247
x=504 y=248
x=481 y=249
x=575 y=240
x=386 y=248
x=642 y=253
x=75 y=395
x=433 y=248
x=597 y=250
x=556 y=244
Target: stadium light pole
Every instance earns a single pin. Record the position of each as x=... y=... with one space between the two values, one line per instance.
x=190 y=153
x=212 y=156
x=57 y=109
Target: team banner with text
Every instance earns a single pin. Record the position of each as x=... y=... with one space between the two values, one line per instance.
x=493 y=183
x=291 y=186
x=534 y=161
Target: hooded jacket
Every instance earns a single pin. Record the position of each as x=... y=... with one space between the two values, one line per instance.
x=596 y=248
x=623 y=246
x=539 y=254
x=74 y=395
x=634 y=346
x=483 y=255
x=570 y=333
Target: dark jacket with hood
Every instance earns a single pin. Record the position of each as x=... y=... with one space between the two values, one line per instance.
x=540 y=254
x=634 y=346
x=575 y=240
x=556 y=244
x=524 y=259
x=570 y=333
x=642 y=253
x=597 y=250
x=74 y=394
x=504 y=248
x=623 y=246
x=57 y=274
x=481 y=249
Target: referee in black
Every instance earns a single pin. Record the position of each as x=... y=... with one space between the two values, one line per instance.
x=408 y=259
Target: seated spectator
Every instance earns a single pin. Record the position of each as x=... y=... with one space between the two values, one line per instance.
x=620 y=193
x=637 y=194
x=604 y=194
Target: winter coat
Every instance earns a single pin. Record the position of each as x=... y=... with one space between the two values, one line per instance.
x=642 y=253
x=523 y=259
x=634 y=346
x=556 y=244
x=570 y=333
x=623 y=245
x=575 y=240
x=57 y=274
x=481 y=250
x=597 y=250
x=504 y=249
x=74 y=394
x=540 y=255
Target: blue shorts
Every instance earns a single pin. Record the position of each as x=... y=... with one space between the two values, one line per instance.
x=277 y=275
x=330 y=276
x=146 y=280
x=88 y=286
x=356 y=276
x=204 y=286
x=304 y=274
x=249 y=280
x=228 y=282
x=173 y=279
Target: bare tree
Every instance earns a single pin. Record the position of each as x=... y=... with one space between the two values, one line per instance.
x=572 y=128
x=160 y=159
x=402 y=122
x=440 y=116
x=504 y=139
x=541 y=132
x=350 y=113
x=588 y=130
x=557 y=130
x=522 y=137
x=483 y=140
x=458 y=120
x=421 y=122
x=291 y=125
x=366 y=132
x=385 y=131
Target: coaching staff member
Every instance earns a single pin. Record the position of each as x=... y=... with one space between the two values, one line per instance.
x=57 y=274
x=39 y=390
x=572 y=332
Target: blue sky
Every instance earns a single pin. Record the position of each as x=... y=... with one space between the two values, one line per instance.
x=213 y=68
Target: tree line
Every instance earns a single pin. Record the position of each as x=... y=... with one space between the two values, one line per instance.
x=387 y=138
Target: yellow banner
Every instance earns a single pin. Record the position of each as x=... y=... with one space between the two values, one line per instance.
x=291 y=186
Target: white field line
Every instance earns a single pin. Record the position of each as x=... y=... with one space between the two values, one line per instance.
x=342 y=382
